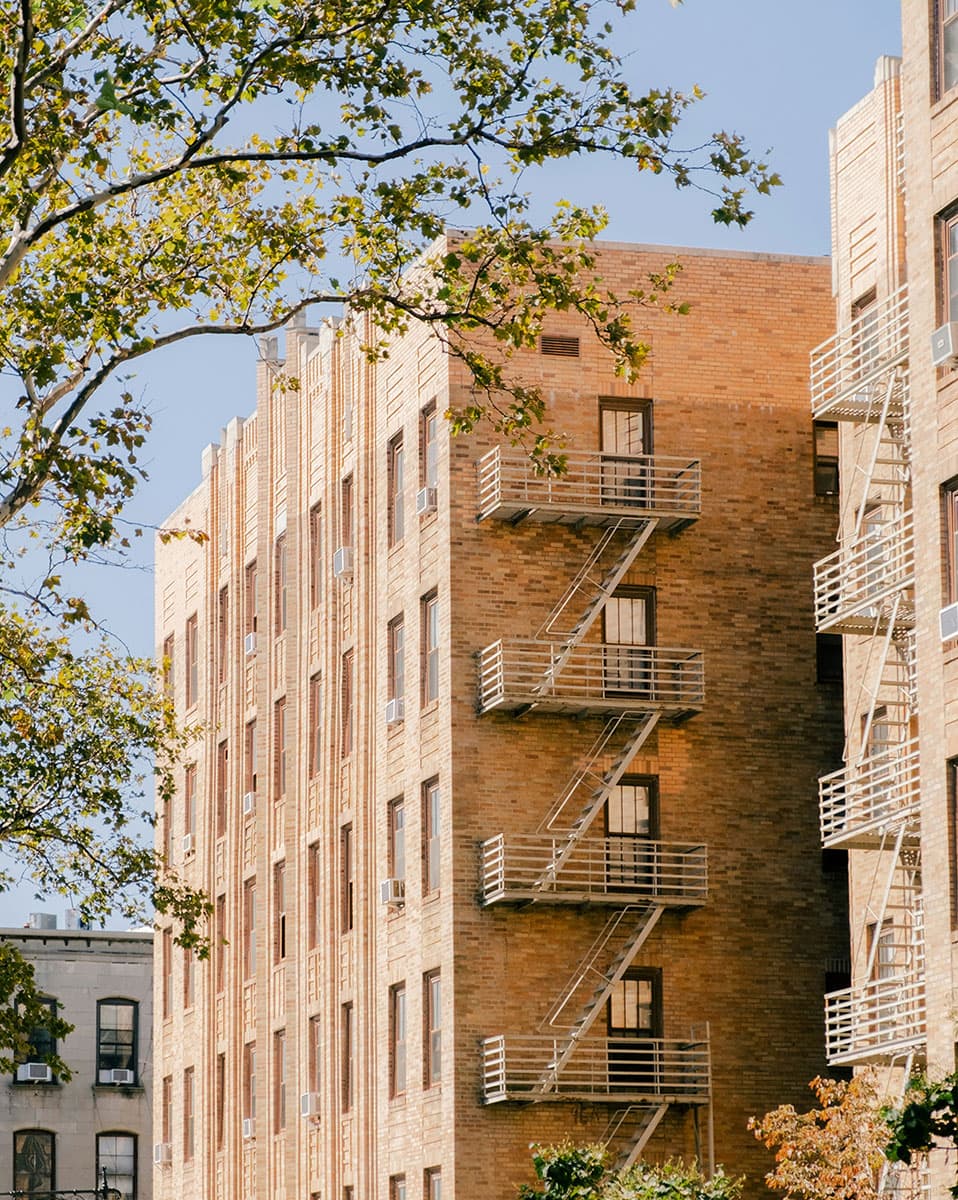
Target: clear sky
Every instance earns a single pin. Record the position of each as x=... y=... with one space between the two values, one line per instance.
x=779 y=73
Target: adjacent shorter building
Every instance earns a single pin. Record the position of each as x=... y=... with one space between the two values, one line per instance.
x=506 y=800
x=60 y=1135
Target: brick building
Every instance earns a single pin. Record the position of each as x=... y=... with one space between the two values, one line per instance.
x=63 y=1134
x=506 y=802
x=887 y=381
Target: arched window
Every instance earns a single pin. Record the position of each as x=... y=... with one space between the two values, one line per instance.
x=116 y=1156
x=34 y=1161
x=116 y=1027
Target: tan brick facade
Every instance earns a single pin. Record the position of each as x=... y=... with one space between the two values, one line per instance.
x=732 y=984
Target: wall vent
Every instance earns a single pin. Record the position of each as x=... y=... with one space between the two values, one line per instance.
x=559 y=345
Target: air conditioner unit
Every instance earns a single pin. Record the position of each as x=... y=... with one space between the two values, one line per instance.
x=249 y=803
x=249 y=1128
x=392 y=892
x=343 y=562
x=162 y=1153
x=395 y=711
x=425 y=501
x=187 y=843
x=34 y=1073
x=948 y=621
x=944 y=345
x=309 y=1104
x=249 y=643
x=116 y=1075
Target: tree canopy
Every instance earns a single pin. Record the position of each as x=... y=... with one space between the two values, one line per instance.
x=570 y=1172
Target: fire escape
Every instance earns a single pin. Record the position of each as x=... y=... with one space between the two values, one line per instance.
x=636 y=688
x=866 y=590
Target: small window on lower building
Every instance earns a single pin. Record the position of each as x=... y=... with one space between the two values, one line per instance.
x=116 y=1040
x=397 y=1187
x=32 y=1064
x=116 y=1160
x=826 y=458
x=432 y=1184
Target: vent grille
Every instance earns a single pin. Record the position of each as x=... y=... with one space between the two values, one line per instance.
x=559 y=346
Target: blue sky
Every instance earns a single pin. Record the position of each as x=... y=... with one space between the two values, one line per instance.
x=779 y=73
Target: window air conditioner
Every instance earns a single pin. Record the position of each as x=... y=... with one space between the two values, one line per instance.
x=116 y=1075
x=33 y=1072
x=394 y=711
x=343 y=562
x=392 y=892
x=249 y=1128
x=249 y=643
x=944 y=345
x=425 y=501
x=187 y=843
x=309 y=1104
x=948 y=621
x=249 y=803
x=162 y=1153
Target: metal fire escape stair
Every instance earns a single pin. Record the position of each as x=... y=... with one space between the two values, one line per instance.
x=647 y=1118
x=598 y=585
x=639 y=731
x=645 y=917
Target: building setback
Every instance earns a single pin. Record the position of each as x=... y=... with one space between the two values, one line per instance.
x=506 y=802
x=887 y=381
x=63 y=1134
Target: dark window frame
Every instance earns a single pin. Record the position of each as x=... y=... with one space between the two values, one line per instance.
x=118 y=1133
x=117 y=1002
x=50 y=1137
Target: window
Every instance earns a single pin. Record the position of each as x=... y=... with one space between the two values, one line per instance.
x=167 y=972
x=192 y=662
x=279 y=585
x=628 y=628
x=42 y=1045
x=348 y=1066
x=220 y=1115
x=948 y=46
x=315 y=556
x=249 y=1081
x=430 y=648
x=394 y=472
x=397 y=1187
x=865 y=330
x=116 y=1160
x=633 y=1016
x=396 y=674
x=397 y=839
x=166 y=1113
x=279 y=1080
x=429 y=447
x=828 y=658
x=950 y=500
x=315 y=746
x=625 y=426
x=168 y=829
x=280 y=734
x=116 y=1025
x=219 y=946
x=169 y=679
x=249 y=929
x=432 y=1184
x=249 y=762
x=432 y=1036
x=189 y=977
x=315 y=1052
x=314 y=876
x=223 y=635
x=222 y=786
x=397 y=1040
x=34 y=1161
x=952 y=786
x=279 y=909
x=631 y=817
x=189 y=808
x=189 y=1114
x=347 y=882
x=249 y=592
x=826 y=457
x=347 y=704
x=432 y=828
x=346 y=511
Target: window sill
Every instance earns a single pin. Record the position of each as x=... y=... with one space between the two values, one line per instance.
x=125 y=1089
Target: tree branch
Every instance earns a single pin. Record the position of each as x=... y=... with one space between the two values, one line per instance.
x=18 y=87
